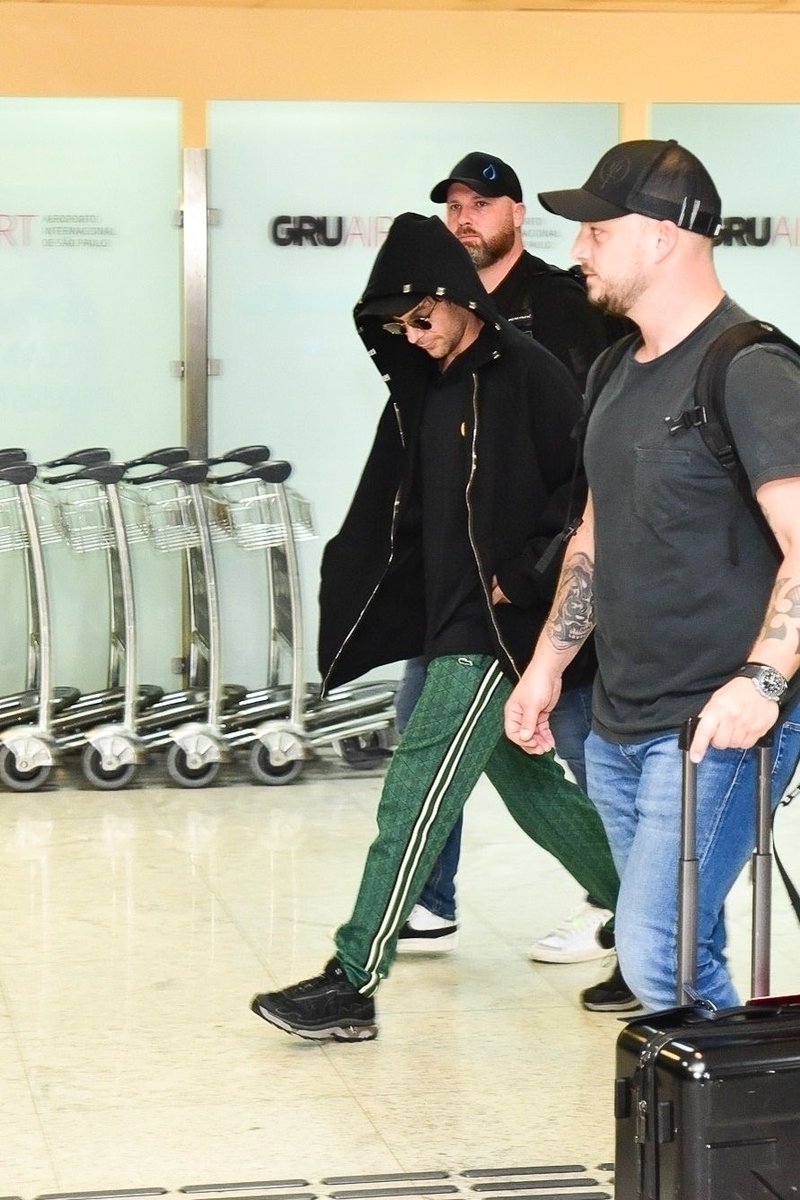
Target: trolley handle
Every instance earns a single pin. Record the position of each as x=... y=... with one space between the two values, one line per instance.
x=80 y=458
x=689 y=867
x=248 y=455
x=191 y=471
x=274 y=471
x=167 y=456
x=18 y=472
x=277 y=471
x=12 y=454
x=689 y=728
x=106 y=473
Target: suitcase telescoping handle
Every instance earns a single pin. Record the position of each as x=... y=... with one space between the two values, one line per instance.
x=688 y=874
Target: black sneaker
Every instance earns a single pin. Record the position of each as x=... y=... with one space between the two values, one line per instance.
x=612 y=995
x=327 y=1006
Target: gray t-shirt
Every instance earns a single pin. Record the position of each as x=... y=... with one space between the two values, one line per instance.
x=683 y=572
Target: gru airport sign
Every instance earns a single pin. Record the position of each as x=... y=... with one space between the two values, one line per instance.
x=759 y=231
x=307 y=230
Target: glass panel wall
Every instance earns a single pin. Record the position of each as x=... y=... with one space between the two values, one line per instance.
x=749 y=150
x=91 y=315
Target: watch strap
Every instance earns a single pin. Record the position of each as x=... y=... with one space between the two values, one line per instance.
x=760 y=673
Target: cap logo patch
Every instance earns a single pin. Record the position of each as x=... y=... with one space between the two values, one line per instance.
x=489 y=172
x=615 y=171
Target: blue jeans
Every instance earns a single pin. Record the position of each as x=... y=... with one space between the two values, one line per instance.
x=636 y=788
x=570 y=722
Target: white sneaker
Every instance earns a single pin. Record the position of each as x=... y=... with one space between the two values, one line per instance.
x=426 y=933
x=575 y=939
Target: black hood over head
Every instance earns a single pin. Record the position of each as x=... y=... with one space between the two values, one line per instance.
x=419 y=258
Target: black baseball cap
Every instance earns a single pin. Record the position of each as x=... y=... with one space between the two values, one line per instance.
x=657 y=179
x=486 y=174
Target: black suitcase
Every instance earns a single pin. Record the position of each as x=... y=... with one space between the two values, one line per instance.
x=707 y=1104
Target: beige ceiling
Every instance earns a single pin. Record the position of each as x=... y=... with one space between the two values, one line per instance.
x=618 y=6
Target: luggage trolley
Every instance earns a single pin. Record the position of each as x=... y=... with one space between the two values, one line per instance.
x=104 y=723
x=24 y=705
x=27 y=744
x=168 y=503
x=286 y=724
x=172 y=509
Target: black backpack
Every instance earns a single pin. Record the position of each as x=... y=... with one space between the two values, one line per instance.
x=707 y=414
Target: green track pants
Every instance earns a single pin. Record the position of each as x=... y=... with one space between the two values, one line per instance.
x=455 y=735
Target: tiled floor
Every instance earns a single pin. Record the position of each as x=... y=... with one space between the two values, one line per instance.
x=135 y=926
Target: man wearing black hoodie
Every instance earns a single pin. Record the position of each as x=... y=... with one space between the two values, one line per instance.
x=485 y=210
x=466 y=484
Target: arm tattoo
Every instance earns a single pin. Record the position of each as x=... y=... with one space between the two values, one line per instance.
x=572 y=617
x=783 y=614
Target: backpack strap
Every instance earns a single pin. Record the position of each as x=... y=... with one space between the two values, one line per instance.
x=708 y=413
x=604 y=367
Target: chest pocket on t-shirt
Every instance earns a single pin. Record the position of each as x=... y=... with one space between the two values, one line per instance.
x=661 y=491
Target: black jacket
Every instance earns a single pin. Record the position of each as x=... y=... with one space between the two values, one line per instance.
x=524 y=407
x=551 y=305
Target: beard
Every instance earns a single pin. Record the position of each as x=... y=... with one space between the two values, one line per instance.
x=487 y=251
x=619 y=298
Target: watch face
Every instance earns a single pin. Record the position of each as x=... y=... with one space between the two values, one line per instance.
x=770 y=683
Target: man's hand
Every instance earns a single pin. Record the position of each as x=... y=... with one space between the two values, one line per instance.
x=527 y=712
x=734 y=718
x=498 y=595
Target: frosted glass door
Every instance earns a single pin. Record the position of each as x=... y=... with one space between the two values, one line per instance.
x=90 y=311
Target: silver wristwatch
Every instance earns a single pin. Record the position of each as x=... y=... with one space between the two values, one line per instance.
x=766 y=680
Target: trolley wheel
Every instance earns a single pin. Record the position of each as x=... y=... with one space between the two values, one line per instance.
x=180 y=772
x=99 y=777
x=15 y=778
x=366 y=750
x=264 y=770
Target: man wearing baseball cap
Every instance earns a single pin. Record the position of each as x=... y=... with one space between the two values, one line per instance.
x=485 y=211
x=695 y=608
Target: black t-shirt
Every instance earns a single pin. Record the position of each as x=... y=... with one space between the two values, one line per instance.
x=683 y=573
x=455 y=604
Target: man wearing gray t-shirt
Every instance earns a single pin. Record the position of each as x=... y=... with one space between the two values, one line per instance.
x=696 y=607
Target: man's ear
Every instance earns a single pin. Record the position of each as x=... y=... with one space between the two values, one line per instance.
x=518 y=215
x=666 y=238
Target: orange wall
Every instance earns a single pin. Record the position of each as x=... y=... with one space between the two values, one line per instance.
x=198 y=54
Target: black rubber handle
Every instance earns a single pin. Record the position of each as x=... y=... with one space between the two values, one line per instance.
x=19 y=472
x=105 y=473
x=249 y=455
x=274 y=471
x=190 y=471
x=165 y=457
x=80 y=458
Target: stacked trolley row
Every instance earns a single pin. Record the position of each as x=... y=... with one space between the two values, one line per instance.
x=179 y=506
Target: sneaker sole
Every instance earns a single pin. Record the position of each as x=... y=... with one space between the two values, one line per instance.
x=629 y=1005
x=336 y=1033
x=545 y=954
x=428 y=945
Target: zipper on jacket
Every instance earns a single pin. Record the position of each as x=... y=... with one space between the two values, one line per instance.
x=370 y=598
x=471 y=530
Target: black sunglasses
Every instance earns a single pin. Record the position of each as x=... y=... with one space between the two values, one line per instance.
x=400 y=327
